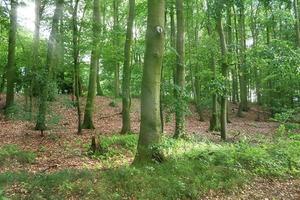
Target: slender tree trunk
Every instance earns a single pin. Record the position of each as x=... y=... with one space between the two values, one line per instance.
x=180 y=71
x=11 y=68
x=99 y=88
x=126 y=99
x=150 y=130
x=50 y=63
x=173 y=40
x=297 y=23
x=89 y=108
x=76 y=64
x=242 y=68
x=224 y=64
x=35 y=54
x=116 y=43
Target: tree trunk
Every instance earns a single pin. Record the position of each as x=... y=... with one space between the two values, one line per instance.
x=224 y=64
x=50 y=63
x=297 y=25
x=76 y=64
x=99 y=88
x=242 y=68
x=126 y=99
x=116 y=43
x=89 y=108
x=214 y=124
x=180 y=72
x=35 y=54
x=150 y=130
x=11 y=68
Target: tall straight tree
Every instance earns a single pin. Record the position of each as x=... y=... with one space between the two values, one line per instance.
x=150 y=130
x=214 y=124
x=11 y=68
x=297 y=22
x=89 y=108
x=224 y=65
x=35 y=52
x=76 y=63
x=53 y=43
x=126 y=99
x=180 y=71
x=242 y=66
x=115 y=44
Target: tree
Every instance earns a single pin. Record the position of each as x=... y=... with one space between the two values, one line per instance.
x=89 y=108
x=150 y=104
x=11 y=68
x=242 y=66
x=180 y=71
x=224 y=66
x=53 y=43
x=116 y=42
x=76 y=63
x=126 y=99
x=297 y=25
x=35 y=52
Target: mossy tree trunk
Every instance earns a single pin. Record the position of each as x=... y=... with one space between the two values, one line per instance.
x=126 y=99
x=89 y=108
x=150 y=130
x=180 y=71
x=11 y=65
x=214 y=124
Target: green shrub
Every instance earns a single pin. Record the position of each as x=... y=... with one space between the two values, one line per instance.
x=117 y=145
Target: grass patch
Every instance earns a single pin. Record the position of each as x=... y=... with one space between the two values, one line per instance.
x=12 y=152
x=116 y=146
x=191 y=169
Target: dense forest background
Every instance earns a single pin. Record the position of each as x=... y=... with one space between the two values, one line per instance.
x=180 y=73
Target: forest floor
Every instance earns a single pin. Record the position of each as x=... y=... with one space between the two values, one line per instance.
x=62 y=148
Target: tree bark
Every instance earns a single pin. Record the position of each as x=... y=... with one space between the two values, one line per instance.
x=76 y=64
x=89 y=108
x=116 y=43
x=35 y=54
x=242 y=67
x=11 y=68
x=297 y=23
x=50 y=63
x=180 y=72
x=126 y=98
x=224 y=65
x=150 y=130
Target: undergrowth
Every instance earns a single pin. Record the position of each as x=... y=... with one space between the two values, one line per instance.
x=12 y=152
x=191 y=169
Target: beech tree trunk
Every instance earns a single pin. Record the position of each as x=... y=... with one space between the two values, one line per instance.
x=180 y=72
x=224 y=65
x=76 y=64
x=150 y=130
x=89 y=108
x=11 y=68
x=126 y=98
x=50 y=63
